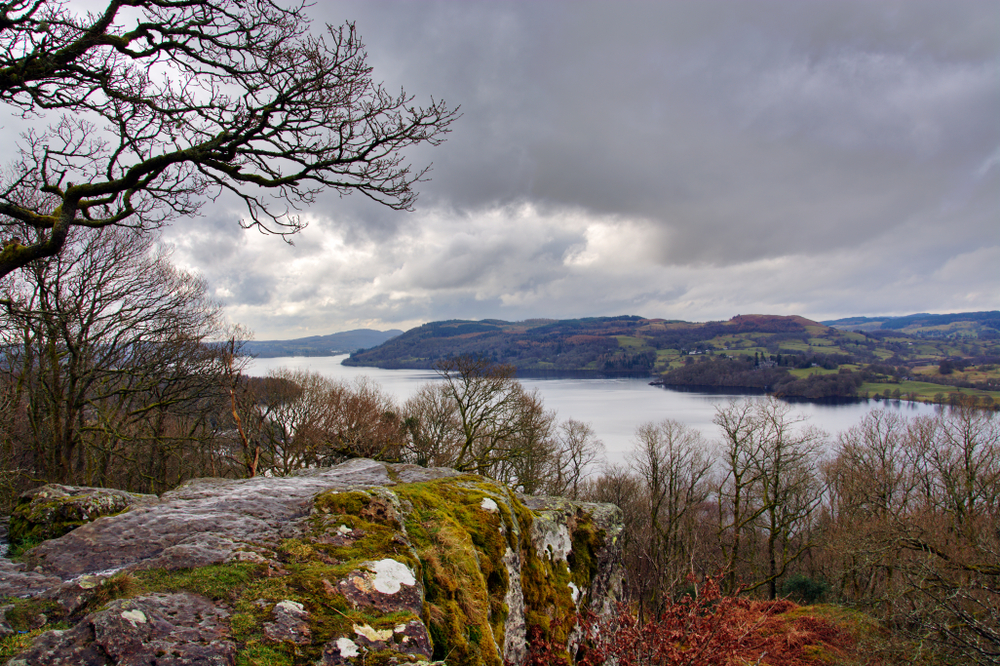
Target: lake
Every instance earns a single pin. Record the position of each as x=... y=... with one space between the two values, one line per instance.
x=612 y=406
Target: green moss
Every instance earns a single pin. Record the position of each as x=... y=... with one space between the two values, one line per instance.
x=587 y=541
x=219 y=582
x=29 y=614
x=345 y=530
x=547 y=598
x=461 y=547
x=239 y=586
x=296 y=550
x=24 y=531
x=19 y=548
x=312 y=565
x=384 y=658
x=370 y=515
x=251 y=595
x=45 y=517
x=15 y=643
x=263 y=655
x=546 y=582
x=29 y=618
x=342 y=503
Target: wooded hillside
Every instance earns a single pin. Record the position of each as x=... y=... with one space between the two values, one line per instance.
x=788 y=355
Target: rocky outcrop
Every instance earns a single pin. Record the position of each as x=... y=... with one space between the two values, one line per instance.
x=365 y=562
x=53 y=510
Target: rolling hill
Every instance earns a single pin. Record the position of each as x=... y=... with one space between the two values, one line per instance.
x=789 y=355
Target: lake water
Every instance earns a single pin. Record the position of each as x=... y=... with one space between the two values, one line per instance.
x=612 y=406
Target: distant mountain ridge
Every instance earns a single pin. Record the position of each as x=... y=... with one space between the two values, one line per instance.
x=924 y=324
x=344 y=342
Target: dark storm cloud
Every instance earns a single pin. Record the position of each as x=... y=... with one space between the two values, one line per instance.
x=677 y=159
x=784 y=125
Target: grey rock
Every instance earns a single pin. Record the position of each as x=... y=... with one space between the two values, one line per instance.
x=202 y=522
x=556 y=517
x=515 y=629
x=417 y=474
x=253 y=521
x=412 y=638
x=162 y=629
x=290 y=624
x=16 y=580
x=74 y=595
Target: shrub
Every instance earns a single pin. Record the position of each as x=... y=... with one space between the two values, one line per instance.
x=710 y=629
x=803 y=589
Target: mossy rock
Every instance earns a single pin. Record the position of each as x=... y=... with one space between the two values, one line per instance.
x=52 y=510
x=366 y=562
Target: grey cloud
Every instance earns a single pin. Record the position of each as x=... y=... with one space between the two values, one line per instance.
x=691 y=159
x=641 y=109
x=252 y=290
x=206 y=240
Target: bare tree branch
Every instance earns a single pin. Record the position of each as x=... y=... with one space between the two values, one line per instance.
x=198 y=98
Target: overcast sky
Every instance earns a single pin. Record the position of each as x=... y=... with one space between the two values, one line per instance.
x=684 y=160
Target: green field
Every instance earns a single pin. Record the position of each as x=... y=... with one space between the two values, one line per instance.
x=923 y=391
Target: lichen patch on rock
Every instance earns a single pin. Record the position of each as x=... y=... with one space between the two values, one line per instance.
x=391 y=575
x=134 y=616
x=387 y=585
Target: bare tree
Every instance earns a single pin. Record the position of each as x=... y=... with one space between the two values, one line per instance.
x=789 y=488
x=672 y=464
x=966 y=461
x=949 y=542
x=359 y=420
x=617 y=485
x=291 y=403
x=768 y=490
x=914 y=509
x=246 y=413
x=578 y=449
x=14 y=459
x=107 y=341
x=480 y=419
x=871 y=485
x=433 y=426
x=152 y=105
x=739 y=507
x=294 y=419
x=488 y=400
x=531 y=457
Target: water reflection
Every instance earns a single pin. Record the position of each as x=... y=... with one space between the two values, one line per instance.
x=613 y=406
